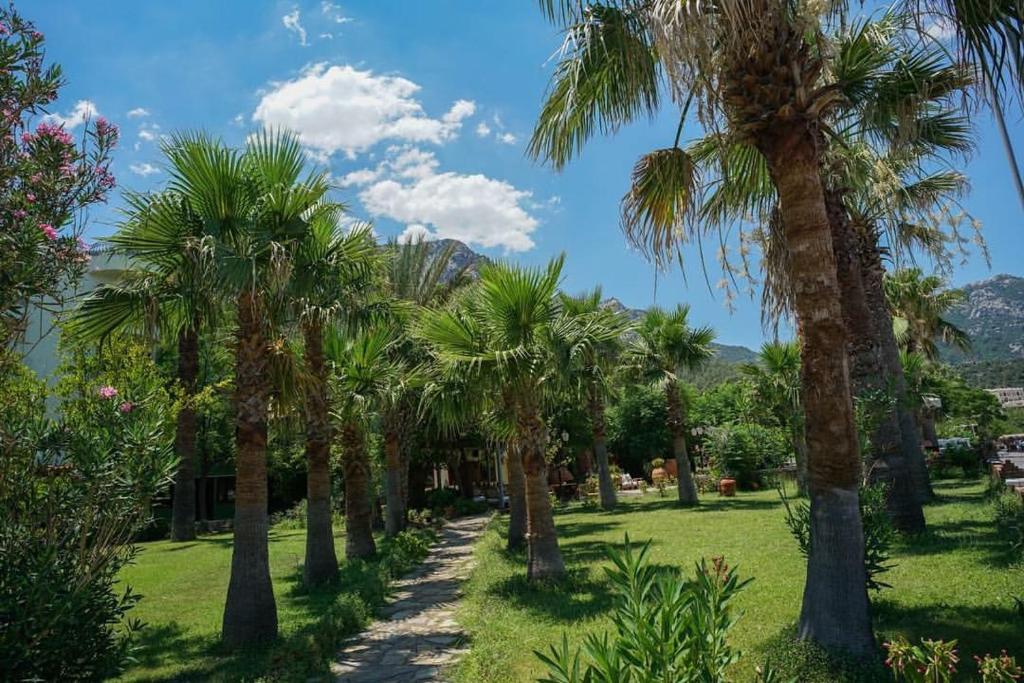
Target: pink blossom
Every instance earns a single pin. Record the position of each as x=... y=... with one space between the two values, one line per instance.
x=48 y=230
x=29 y=197
x=20 y=213
x=126 y=407
x=107 y=392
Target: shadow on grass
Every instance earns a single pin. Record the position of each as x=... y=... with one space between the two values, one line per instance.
x=977 y=536
x=577 y=596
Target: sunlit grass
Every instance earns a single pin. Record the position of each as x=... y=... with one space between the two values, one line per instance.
x=956 y=581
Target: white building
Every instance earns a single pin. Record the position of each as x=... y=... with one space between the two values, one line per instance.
x=1009 y=397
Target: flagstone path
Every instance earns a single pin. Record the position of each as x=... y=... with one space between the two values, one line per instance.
x=418 y=636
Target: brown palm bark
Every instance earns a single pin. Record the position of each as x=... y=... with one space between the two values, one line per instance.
x=836 y=611
x=321 y=563
x=250 y=613
x=516 y=497
x=394 y=522
x=183 y=511
x=597 y=426
x=676 y=427
x=867 y=376
x=543 y=559
x=358 y=507
x=873 y=276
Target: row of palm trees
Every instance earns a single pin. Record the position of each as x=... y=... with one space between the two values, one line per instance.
x=822 y=133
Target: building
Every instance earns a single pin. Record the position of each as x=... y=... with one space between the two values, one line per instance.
x=1009 y=397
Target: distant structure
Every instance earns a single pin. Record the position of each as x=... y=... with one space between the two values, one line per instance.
x=1009 y=397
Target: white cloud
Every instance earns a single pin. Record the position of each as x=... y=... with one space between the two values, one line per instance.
x=147 y=135
x=292 y=23
x=472 y=208
x=941 y=29
x=79 y=114
x=482 y=130
x=144 y=169
x=239 y=120
x=363 y=176
x=342 y=109
x=334 y=12
x=327 y=36
x=138 y=112
x=416 y=233
x=507 y=138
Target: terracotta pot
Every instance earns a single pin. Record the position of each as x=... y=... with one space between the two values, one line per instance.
x=658 y=473
x=727 y=487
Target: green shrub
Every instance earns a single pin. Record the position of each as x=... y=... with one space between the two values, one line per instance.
x=666 y=627
x=404 y=551
x=935 y=661
x=878 y=531
x=741 y=451
x=793 y=659
x=1009 y=519
x=965 y=458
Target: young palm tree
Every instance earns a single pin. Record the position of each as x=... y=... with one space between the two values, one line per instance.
x=367 y=381
x=666 y=345
x=333 y=272
x=594 y=335
x=502 y=331
x=255 y=206
x=776 y=378
x=171 y=285
x=918 y=303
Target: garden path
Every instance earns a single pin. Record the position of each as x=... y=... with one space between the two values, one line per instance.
x=418 y=636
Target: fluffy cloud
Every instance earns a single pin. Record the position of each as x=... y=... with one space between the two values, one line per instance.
x=332 y=11
x=507 y=138
x=144 y=169
x=138 y=113
x=292 y=23
x=472 y=208
x=482 y=130
x=82 y=112
x=342 y=109
x=416 y=233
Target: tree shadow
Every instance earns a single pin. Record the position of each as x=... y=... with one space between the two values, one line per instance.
x=574 y=597
x=981 y=536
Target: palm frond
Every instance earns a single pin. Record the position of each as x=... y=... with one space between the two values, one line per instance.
x=659 y=210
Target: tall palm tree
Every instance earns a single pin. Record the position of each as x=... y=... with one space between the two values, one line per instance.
x=594 y=335
x=776 y=378
x=919 y=303
x=665 y=346
x=501 y=330
x=170 y=284
x=255 y=205
x=333 y=272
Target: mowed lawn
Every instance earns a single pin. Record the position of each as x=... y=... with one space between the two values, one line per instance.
x=956 y=581
x=183 y=587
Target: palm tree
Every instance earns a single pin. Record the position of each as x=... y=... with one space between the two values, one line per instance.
x=776 y=378
x=501 y=330
x=594 y=335
x=918 y=303
x=665 y=346
x=753 y=68
x=255 y=206
x=367 y=381
x=170 y=285
x=333 y=271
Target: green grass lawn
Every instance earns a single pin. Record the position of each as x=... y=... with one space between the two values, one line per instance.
x=184 y=586
x=955 y=581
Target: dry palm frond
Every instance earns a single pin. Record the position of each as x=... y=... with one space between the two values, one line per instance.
x=661 y=205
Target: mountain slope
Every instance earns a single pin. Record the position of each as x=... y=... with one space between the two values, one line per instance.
x=993 y=316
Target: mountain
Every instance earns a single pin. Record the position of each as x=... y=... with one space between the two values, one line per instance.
x=463 y=259
x=993 y=315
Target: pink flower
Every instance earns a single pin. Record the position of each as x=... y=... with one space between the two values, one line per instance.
x=20 y=213
x=29 y=197
x=48 y=230
x=126 y=407
x=108 y=392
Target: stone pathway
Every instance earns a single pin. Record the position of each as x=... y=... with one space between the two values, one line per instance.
x=419 y=636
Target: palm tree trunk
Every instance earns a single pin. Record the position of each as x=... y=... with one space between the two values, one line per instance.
x=395 y=520
x=516 y=498
x=687 y=489
x=604 y=475
x=873 y=276
x=836 y=611
x=800 y=454
x=321 y=563
x=358 y=511
x=250 y=613
x=867 y=377
x=544 y=559
x=183 y=512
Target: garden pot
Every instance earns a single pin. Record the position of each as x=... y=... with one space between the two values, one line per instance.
x=727 y=487
x=658 y=474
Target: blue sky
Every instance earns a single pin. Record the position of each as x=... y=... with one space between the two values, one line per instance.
x=421 y=111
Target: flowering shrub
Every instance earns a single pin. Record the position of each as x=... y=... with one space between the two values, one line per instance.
x=47 y=179
x=935 y=661
x=72 y=497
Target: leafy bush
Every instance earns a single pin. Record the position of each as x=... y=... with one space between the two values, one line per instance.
x=740 y=451
x=72 y=497
x=1009 y=519
x=965 y=458
x=405 y=550
x=935 y=661
x=878 y=531
x=667 y=628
